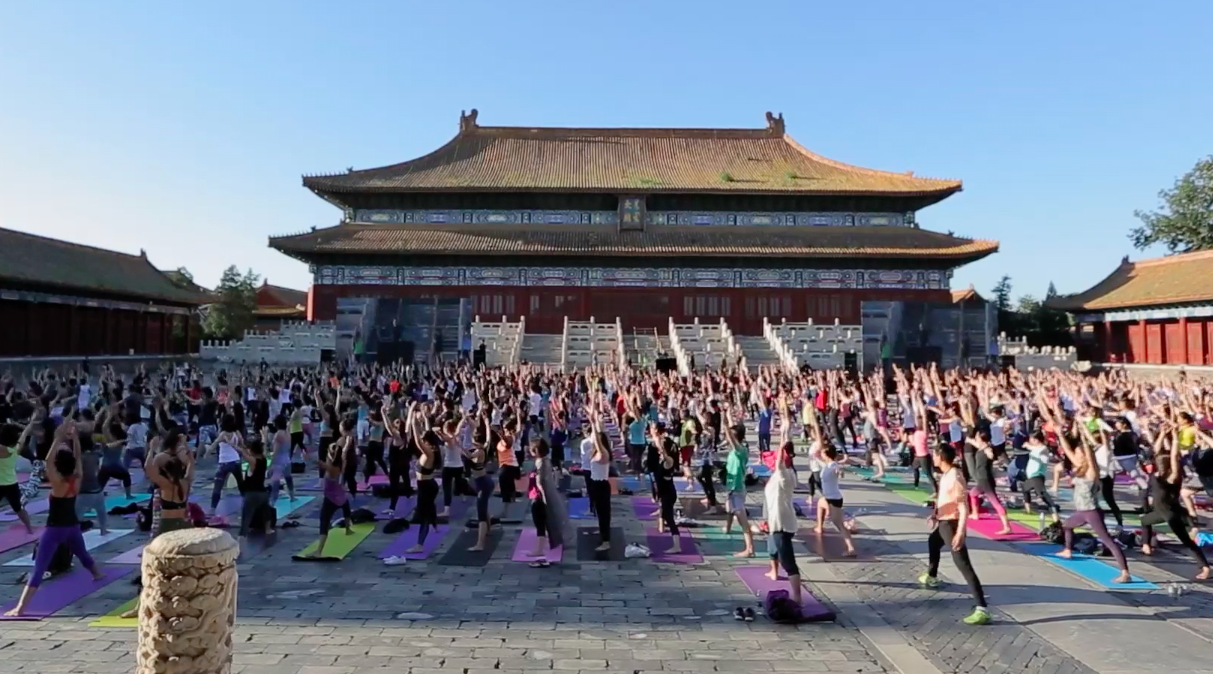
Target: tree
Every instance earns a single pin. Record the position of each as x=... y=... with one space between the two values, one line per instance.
x=1185 y=221
x=235 y=301
x=1027 y=304
x=1002 y=294
x=1051 y=292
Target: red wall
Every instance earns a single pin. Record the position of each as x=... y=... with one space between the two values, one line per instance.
x=545 y=308
x=47 y=329
x=1166 y=342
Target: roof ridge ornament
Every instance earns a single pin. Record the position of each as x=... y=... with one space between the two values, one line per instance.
x=774 y=123
x=467 y=120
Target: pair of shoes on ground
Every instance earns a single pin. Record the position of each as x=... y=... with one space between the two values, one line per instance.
x=745 y=614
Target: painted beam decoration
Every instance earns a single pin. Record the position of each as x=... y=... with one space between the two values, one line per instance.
x=693 y=218
x=634 y=277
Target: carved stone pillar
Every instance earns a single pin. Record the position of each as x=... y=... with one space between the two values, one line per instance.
x=188 y=604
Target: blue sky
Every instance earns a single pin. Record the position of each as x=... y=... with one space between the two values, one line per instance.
x=183 y=128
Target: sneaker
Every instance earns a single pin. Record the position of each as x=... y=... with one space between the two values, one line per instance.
x=739 y=614
x=979 y=616
x=929 y=582
x=749 y=615
x=395 y=560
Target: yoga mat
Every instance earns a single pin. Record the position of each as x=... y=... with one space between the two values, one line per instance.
x=459 y=555
x=660 y=544
x=16 y=536
x=121 y=501
x=378 y=478
x=908 y=492
x=408 y=538
x=680 y=485
x=1090 y=568
x=712 y=542
x=134 y=556
x=526 y=545
x=66 y=590
x=114 y=618
x=33 y=507
x=631 y=482
x=756 y=581
x=579 y=509
x=988 y=526
x=285 y=505
x=644 y=508
x=92 y=540
x=588 y=539
x=339 y=543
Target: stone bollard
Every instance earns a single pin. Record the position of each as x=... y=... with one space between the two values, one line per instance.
x=188 y=604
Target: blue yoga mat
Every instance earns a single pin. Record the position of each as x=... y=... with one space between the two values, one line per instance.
x=579 y=509
x=1091 y=568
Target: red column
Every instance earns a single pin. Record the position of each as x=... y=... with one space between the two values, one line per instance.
x=1183 y=340
x=1109 y=349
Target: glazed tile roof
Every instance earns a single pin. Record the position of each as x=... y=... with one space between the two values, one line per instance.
x=42 y=261
x=277 y=296
x=488 y=158
x=1176 y=279
x=606 y=240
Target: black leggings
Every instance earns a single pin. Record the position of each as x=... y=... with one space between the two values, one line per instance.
x=925 y=466
x=539 y=517
x=1179 y=528
x=426 y=513
x=484 y=491
x=600 y=501
x=942 y=537
x=507 y=479
x=117 y=473
x=668 y=497
x=328 y=509
x=1037 y=485
x=1106 y=485
x=709 y=486
x=814 y=484
x=297 y=441
x=374 y=457
x=398 y=477
x=453 y=482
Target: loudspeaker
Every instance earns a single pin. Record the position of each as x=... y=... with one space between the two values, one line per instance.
x=667 y=364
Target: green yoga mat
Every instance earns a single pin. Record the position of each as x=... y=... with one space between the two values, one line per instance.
x=339 y=543
x=114 y=618
x=908 y=492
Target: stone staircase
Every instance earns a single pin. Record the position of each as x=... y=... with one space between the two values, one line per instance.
x=542 y=349
x=757 y=352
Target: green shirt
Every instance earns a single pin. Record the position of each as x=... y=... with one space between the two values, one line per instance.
x=8 y=467
x=735 y=467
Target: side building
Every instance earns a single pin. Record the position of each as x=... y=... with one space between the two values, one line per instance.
x=1157 y=311
x=643 y=225
x=60 y=299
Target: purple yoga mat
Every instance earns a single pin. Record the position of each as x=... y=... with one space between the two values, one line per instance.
x=33 y=507
x=660 y=543
x=408 y=538
x=526 y=545
x=16 y=536
x=644 y=507
x=378 y=478
x=62 y=592
x=756 y=581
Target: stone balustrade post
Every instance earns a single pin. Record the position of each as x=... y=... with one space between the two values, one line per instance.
x=188 y=604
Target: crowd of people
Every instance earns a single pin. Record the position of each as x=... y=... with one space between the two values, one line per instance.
x=440 y=433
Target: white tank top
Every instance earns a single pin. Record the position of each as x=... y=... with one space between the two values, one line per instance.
x=227 y=453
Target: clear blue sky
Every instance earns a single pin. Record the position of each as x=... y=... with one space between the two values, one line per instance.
x=183 y=128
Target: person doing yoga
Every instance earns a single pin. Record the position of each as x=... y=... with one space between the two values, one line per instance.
x=62 y=525
x=426 y=513
x=948 y=525
x=335 y=496
x=1166 y=503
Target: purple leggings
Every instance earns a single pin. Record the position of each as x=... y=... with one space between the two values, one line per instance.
x=1094 y=519
x=52 y=538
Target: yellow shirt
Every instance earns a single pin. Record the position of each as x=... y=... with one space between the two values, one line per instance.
x=1187 y=437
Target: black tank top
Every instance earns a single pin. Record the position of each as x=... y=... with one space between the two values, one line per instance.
x=62 y=512
x=256 y=477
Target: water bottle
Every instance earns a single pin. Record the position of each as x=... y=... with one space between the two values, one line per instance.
x=1042 y=520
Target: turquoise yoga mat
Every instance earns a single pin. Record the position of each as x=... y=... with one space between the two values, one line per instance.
x=1091 y=568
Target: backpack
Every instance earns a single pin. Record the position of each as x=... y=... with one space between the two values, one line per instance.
x=1053 y=533
x=780 y=608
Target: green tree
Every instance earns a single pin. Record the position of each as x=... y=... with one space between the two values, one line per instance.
x=1027 y=304
x=1002 y=294
x=1051 y=292
x=235 y=301
x=1185 y=221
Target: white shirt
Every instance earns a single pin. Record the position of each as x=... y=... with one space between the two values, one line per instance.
x=227 y=453
x=781 y=515
x=998 y=435
x=136 y=436
x=587 y=454
x=600 y=471
x=829 y=481
x=85 y=395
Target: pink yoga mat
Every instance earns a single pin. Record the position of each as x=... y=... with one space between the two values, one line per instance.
x=408 y=538
x=526 y=545
x=61 y=592
x=16 y=536
x=988 y=526
x=375 y=479
x=756 y=581
x=660 y=544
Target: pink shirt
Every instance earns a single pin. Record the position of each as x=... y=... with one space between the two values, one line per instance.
x=919 y=442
